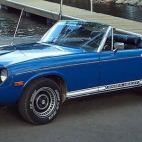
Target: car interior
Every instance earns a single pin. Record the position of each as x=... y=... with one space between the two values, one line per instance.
x=123 y=41
x=129 y=41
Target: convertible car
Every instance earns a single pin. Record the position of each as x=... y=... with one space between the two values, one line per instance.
x=73 y=59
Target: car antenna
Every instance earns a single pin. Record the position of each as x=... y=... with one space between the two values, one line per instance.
x=17 y=26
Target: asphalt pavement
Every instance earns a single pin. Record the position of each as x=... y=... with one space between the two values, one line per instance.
x=110 y=117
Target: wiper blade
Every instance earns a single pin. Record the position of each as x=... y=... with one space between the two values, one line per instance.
x=50 y=42
x=55 y=43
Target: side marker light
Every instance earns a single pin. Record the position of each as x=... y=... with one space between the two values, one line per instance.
x=20 y=83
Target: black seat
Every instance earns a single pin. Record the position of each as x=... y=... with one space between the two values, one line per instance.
x=130 y=46
x=140 y=44
x=130 y=41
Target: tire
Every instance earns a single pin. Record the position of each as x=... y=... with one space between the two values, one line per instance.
x=40 y=102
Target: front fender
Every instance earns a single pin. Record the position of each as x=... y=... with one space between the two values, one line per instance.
x=28 y=78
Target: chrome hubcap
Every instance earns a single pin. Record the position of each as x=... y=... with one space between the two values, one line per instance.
x=43 y=102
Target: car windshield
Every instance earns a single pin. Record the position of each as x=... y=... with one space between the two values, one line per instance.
x=76 y=34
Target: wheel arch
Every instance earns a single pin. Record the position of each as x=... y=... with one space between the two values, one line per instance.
x=61 y=83
x=58 y=79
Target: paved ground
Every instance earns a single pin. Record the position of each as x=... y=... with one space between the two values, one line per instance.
x=111 y=117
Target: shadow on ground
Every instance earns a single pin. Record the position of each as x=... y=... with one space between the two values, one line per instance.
x=109 y=117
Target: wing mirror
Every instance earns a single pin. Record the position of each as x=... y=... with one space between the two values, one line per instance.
x=118 y=46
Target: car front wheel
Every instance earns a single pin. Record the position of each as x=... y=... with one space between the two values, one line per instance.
x=40 y=102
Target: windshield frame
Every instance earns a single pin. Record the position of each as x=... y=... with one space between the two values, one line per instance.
x=105 y=28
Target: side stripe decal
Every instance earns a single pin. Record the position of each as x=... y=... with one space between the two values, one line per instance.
x=127 y=58
x=57 y=67
x=105 y=88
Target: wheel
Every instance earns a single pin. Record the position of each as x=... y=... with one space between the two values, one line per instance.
x=40 y=102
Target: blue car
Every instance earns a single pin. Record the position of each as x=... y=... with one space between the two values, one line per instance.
x=73 y=59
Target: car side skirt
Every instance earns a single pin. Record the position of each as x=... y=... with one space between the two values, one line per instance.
x=104 y=88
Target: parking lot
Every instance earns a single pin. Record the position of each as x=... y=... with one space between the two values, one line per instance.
x=115 y=116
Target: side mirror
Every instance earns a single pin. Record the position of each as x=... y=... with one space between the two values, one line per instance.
x=119 y=45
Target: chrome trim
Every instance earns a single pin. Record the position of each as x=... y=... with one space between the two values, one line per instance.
x=82 y=92
x=50 y=68
x=112 y=39
x=103 y=89
x=104 y=39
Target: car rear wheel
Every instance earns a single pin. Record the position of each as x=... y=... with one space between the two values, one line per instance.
x=40 y=102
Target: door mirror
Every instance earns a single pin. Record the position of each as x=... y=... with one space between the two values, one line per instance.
x=119 y=45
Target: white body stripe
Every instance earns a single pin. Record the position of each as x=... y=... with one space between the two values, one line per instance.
x=105 y=88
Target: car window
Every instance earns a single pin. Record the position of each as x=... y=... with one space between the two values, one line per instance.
x=76 y=34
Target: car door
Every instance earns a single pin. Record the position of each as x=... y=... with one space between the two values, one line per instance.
x=82 y=77
x=120 y=69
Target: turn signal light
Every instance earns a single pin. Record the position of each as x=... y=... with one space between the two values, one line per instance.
x=20 y=83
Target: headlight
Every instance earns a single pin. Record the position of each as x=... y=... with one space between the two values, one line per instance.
x=3 y=75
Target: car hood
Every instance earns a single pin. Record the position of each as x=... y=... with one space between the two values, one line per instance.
x=23 y=52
